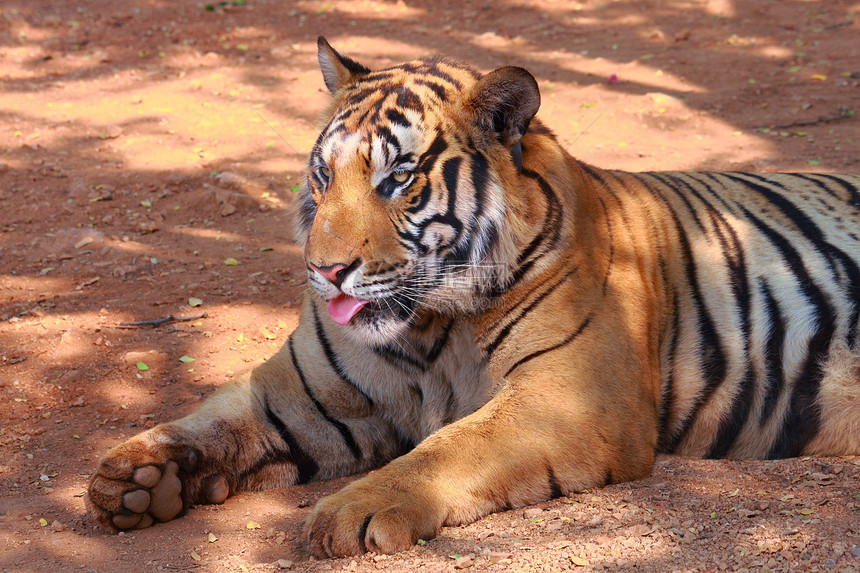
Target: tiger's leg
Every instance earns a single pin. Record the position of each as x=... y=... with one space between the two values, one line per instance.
x=563 y=421
x=291 y=421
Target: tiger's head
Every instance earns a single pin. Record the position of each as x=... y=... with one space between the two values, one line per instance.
x=403 y=209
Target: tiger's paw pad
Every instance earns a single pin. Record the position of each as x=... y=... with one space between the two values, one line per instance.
x=149 y=494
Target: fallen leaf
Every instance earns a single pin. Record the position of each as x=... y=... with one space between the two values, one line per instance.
x=195 y=556
x=252 y=525
x=212 y=538
x=43 y=522
x=579 y=561
x=230 y=261
x=186 y=359
x=194 y=301
x=84 y=242
x=142 y=366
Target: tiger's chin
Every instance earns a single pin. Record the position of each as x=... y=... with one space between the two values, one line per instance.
x=372 y=326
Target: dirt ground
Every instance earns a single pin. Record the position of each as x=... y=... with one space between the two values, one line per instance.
x=141 y=176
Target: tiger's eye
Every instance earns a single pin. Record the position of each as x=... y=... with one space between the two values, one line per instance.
x=401 y=176
x=326 y=172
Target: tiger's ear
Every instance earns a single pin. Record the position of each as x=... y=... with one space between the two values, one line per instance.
x=504 y=102
x=337 y=69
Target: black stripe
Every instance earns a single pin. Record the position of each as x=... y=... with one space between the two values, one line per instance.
x=667 y=394
x=436 y=88
x=551 y=229
x=814 y=235
x=450 y=401
x=549 y=234
x=342 y=428
x=803 y=419
x=702 y=178
x=307 y=210
x=554 y=487
x=853 y=192
x=332 y=358
x=611 y=244
x=564 y=342
x=404 y=442
x=362 y=532
x=306 y=466
x=774 y=373
x=733 y=254
x=738 y=413
x=270 y=457
x=408 y=99
x=817 y=182
x=396 y=117
x=451 y=176
x=399 y=358
x=429 y=157
x=713 y=360
x=671 y=183
x=439 y=344
x=420 y=200
x=433 y=70
x=504 y=332
x=416 y=389
x=480 y=170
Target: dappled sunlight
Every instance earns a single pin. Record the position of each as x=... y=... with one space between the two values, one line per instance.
x=31 y=284
x=401 y=11
x=150 y=155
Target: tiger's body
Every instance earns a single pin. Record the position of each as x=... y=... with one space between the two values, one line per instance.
x=500 y=323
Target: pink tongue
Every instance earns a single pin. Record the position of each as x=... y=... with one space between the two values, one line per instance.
x=343 y=307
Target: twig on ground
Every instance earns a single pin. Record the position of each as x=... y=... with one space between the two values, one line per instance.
x=192 y=331
x=158 y=322
x=820 y=120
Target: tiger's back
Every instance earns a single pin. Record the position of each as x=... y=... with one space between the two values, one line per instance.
x=759 y=276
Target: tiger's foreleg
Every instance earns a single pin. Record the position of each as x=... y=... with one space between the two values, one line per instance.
x=563 y=421
x=281 y=426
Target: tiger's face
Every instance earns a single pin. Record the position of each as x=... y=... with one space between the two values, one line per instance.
x=402 y=207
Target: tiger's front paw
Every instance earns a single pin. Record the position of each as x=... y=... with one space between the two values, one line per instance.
x=145 y=480
x=367 y=516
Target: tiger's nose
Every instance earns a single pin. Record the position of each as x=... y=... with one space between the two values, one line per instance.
x=336 y=273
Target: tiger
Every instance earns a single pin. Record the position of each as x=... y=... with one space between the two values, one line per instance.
x=491 y=323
